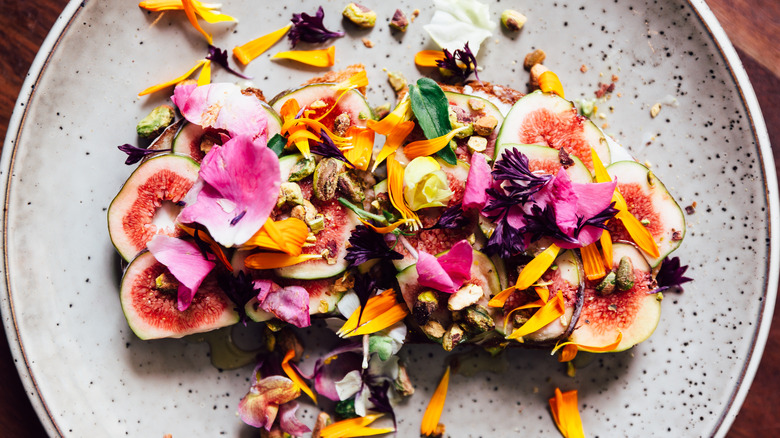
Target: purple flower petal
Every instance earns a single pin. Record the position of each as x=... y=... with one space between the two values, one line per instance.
x=288 y=422
x=448 y=272
x=221 y=106
x=310 y=28
x=241 y=182
x=185 y=261
x=260 y=406
x=477 y=183
x=290 y=304
x=334 y=366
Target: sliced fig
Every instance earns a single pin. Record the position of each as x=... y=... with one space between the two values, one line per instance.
x=324 y=294
x=549 y=120
x=565 y=275
x=438 y=240
x=321 y=97
x=165 y=140
x=190 y=138
x=543 y=159
x=152 y=312
x=147 y=203
x=634 y=312
x=649 y=201
x=470 y=109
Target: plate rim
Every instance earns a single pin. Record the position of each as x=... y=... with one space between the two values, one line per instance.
x=705 y=16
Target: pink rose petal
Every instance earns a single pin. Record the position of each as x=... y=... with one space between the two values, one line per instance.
x=185 y=262
x=290 y=304
x=448 y=272
x=221 y=106
x=241 y=183
x=477 y=183
x=564 y=201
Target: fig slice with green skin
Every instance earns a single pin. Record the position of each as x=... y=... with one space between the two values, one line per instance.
x=188 y=140
x=634 y=313
x=147 y=203
x=469 y=109
x=483 y=274
x=437 y=240
x=549 y=120
x=649 y=201
x=323 y=96
x=566 y=275
x=324 y=294
x=152 y=313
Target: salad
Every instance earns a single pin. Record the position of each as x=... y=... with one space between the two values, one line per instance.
x=463 y=214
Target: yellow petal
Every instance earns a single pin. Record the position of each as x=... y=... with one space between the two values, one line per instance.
x=204 y=78
x=601 y=172
x=532 y=305
x=251 y=50
x=543 y=292
x=340 y=428
x=382 y=321
x=395 y=190
x=189 y=9
x=592 y=262
x=592 y=348
x=428 y=58
x=207 y=11
x=537 y=267
x=362 y=147
x=424 y=148
x=271 y=260
x=293 y=375
x=167 y=84
x=552 y=310
x=210 y=16
x=381 y=311
x=394 y=140
x=384 y=230
x=316 y=58
x=400 y=113
x=638 y=232
x=566 y=415
x=435 y=406
x=358 y=80
x=549 y=83
x=606 y=248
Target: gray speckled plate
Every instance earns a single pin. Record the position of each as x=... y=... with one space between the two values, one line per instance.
x=88 y=375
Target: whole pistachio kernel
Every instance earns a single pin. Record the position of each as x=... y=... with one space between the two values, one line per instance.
x=513 y=20
x=625 y=274
x=360 y=15
x=452 y=337
x=157 y=120
x=607 y=285
x=302 y=168
x=326 y=178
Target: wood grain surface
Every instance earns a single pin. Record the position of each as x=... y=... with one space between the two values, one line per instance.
x=752 y=25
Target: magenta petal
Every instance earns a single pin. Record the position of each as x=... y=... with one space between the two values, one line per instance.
x=185 y=262
x=593 y=197
x=241 y=183
x=181 y=94
x=290 y=304
x=457 y=263
x=565 y=202
x=431 y=274
x=477 y=183
x=587 y=235
x=288 y=422
x=264 y=287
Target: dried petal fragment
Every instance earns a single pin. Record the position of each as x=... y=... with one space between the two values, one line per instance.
x=251 y=50
x=260 y=406
x=316 y=58
x=435 y=407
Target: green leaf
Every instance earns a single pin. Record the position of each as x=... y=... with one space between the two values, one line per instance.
x=277 y=144
x=430 y=107
x=448 y=155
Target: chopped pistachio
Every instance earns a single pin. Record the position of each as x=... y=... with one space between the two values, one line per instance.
x=306 y=212
x=537 y=71
x=351 y=188
x=655 y=109
x=477 y=143
x=360 y=15
x=513 y=20
x=476 y=104
x=302 y=168
x=536 y=57
x=478 y=319
x=402 y=383
x=396 y=80
x=484 y=126
x=166 y=282
x=341 y=124
x=645 y=222
x=399 y=21
x=607 y=285
x=156 y=122
x=452 y=337
x=424 y=306
x=433 y=329
x=465 y=296
x=317 y=224
x=456 y=124
x=625 y=274
x=289 y=193
x=317 y=104
x=326 y=178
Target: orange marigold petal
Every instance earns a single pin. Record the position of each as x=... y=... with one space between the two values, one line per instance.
x=272 y=260
x=592 y=348
x=606 y=248
x=247 y=52
x=362 y=147
x=382 y=321
x=376 y=306
x=548 y=313
x=435 y=406
x=294 y=376
x=384 y=230
x=543 y=292
x=566 y=415
x=189 y=9
x=358 y=80
x=638 y=232
x=315 y=58
x=549 y=83
x=400 y=113
x=167 y=84
x=536 y=267
x=592 y=262
x=394 y=140
x=428 y=58
x=340 y=428
x=424 y=148
x=568 y=353
x=287 y=235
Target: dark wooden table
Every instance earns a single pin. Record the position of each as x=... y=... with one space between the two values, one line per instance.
x=752 y=26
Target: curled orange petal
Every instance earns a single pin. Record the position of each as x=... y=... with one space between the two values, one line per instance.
x=592 y=348
x=273 y=260
x=393 y=141
x=189 y=9
x=424 y=148
x=428 y=58
x=316 y=58
x=549 y=312
x=549 y=83
x=247 y=52
x=435 y=407
x=400 y=113
x=384 y=230
x=568 y=353
x=287 y=235
x=592 y=262
x=294 y=376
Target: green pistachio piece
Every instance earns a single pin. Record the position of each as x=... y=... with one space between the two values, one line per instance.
x=326 y=178
x=360 y=15
x=625 y=274
x=607 y=285
x=478 y=319
x=302 y=168
x=399 y=21
x=513 y=20
x=156 y=122
x=452 y=337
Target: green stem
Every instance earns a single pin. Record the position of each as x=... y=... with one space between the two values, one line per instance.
x=362 y=213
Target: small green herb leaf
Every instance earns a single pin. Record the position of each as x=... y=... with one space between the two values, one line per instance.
x=277 y=144
x=448 y=155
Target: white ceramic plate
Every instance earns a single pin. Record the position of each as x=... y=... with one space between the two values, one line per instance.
x=90 y=376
